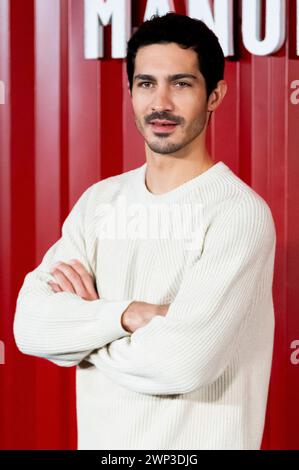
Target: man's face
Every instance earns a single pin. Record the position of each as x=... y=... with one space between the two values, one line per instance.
x=158 y=95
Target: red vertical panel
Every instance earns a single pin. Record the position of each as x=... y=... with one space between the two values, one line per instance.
x=292 y=242
x=84 y=109
x=225 y=124
x=68 y=380
x=47 y=184
x=5 y=225
x=261 y=135
x=263 y=102
x=111 y=95
x=260 y=123
x=245 y=113
x=52 y=409
x=276 y=426
x=20 y=370
x=275 y=429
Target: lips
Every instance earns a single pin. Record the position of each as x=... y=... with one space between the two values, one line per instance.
x=162 y=122
x=163 y=126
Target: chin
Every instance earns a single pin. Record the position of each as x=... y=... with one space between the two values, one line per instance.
x=165 y=150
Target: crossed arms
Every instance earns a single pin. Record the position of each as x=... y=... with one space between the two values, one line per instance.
x=73 y=277
x=188 y=346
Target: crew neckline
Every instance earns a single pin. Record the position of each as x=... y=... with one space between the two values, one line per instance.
x=207 y=175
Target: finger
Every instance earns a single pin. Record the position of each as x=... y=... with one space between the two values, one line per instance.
x=62 y=280
x=73 y=277
x=86 y=278
x=54 y=286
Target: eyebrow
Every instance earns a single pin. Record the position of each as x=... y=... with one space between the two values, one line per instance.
x=171 y=78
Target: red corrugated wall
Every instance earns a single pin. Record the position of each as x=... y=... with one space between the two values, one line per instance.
x=67 y=123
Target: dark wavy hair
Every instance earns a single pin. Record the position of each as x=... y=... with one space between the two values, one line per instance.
x=187 y=33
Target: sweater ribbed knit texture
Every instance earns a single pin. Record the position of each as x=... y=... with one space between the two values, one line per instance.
x=196 y=378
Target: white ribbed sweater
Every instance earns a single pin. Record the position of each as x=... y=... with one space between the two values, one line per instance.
x=196 y=378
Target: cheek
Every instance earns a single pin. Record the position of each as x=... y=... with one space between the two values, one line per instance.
x=140 y=112
x=140 y=102
x=189 y=103
x=193 y=109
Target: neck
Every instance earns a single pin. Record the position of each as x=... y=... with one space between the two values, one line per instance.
x=167 y=172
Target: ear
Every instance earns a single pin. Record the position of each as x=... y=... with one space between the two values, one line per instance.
x=217 y=95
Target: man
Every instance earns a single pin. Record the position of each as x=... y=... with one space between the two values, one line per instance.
x=163 y=294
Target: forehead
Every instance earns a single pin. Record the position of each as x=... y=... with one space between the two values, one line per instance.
x=170 y=58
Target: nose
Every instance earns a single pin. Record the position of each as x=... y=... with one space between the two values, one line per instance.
x=162 y=99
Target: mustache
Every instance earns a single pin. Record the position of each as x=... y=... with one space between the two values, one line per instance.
x=163 y=116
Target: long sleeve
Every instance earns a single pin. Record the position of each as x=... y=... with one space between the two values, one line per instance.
x=62 y=327
x=193 y=344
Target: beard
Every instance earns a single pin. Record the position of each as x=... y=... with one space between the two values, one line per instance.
x=165 y=148
x=163 y=144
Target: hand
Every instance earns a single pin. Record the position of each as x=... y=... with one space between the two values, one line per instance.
x=138 y=314
x=73 y=277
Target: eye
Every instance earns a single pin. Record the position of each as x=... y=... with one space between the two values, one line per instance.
x=183 y=83
x=144 y=83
